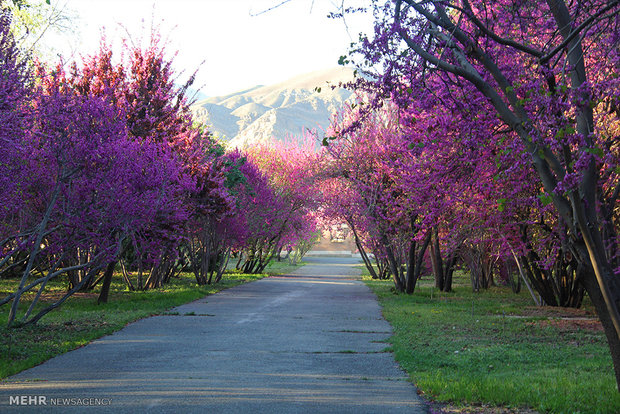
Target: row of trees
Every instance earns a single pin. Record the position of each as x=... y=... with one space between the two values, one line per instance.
x=489 y=140
x=102 y=168
x=489 y=137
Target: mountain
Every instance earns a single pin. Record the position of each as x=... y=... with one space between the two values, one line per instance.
x=194 y=94
x=280 y=111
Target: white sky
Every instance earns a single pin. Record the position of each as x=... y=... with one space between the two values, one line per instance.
x=239 y=50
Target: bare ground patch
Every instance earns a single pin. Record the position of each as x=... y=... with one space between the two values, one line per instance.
x=440 y=408
x=565 y=319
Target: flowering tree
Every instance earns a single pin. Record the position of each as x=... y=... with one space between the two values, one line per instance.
x=453 y=165
x=213 y=230
x=77 y=188
x=80 y=182
x=103 y=165
x=550 y=72
x=14 y=119
x=284 y=216
x=142 y=86
x=369 y=160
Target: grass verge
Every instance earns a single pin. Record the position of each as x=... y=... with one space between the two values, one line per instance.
x=81 y=320
x=493 y=349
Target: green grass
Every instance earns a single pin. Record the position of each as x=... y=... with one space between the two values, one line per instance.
x=468 y=348
x=275 y=267
x=80 y=319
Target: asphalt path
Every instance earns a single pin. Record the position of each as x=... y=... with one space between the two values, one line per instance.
x=310 y=342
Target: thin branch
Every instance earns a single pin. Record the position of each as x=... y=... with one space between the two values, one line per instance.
x=66 y=296
x=14 y=264
x=444 y=21
x=507 y=42
x=42 y=287
x=6 y=258
x=544 y=59
x=29 y=233
x=37 y=248
x=270 y=8
x=77 y=287
x=43 y=279
x=52 y=20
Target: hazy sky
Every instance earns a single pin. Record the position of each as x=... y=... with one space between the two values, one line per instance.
x=239 y=50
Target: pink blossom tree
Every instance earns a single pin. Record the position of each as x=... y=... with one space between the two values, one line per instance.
x=550 y=73
x=286 y=215
x=83 y=185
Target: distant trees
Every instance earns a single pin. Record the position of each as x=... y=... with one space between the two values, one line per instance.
x=32 y=20
x=288 y=217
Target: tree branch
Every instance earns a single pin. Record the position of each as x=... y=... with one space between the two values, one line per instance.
x=506 y=42
x=271 y=8
x=543 y=158
x=569 y=38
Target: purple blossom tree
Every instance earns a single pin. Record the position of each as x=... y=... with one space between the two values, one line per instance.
x=550 y=73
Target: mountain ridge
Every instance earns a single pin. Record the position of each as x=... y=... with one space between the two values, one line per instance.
x=279 y=111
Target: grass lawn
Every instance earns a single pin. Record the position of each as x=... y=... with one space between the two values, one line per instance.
x=80 y=319
x=495 y=349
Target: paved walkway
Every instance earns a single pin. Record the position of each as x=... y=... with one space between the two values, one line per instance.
x=310 y=342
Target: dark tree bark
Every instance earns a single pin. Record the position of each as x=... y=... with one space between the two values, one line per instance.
x=107 y=281
x=436 y=261
x=416 y=260
x=363 y=254
x=394 y=265
x=449 y=271
x=598 y=301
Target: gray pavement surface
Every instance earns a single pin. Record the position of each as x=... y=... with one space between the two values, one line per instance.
x=309 y=342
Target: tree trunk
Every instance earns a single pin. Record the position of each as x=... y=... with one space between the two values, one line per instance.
x=591 y=285
x=449 y=271
x=416 y=260
x=363 y=253
x=41 y=230
x=436 y=261
x=107 y=281
x=223 y=266
x=130 y=285
x=411 y=280
x=383 y=268
x=398 y=283
x=577 y=207
x=238 y=265
x=366 y=259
